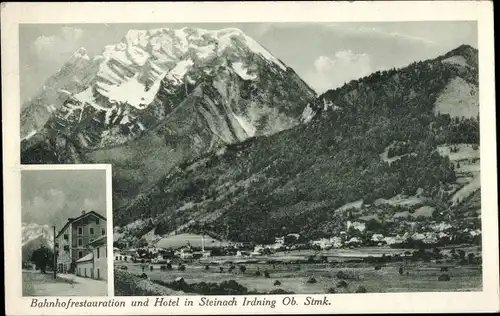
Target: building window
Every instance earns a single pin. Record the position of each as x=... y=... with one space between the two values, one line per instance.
x=66 y=237
x=80 y=254
x=66 y=248
x=80 y=230
x=80 y=241
x=57 y=245
x=91 y=230
x=98 y=252
x=97 y=221
x=103 y=231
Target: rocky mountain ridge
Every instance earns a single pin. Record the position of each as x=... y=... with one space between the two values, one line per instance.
x=162 y=96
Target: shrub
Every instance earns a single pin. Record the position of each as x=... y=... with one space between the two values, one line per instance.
x=342 y=283
x=361 y=289
x=243 y=269
x=144 y=276
x=280 y=291
x=266 y=274
x=401 y=271
x=163 y=268
x=331 y=290
x=221 y=269
x=169 y=266
x=277 y=283
x=201 y=288
x=181 y=267
x=207 y=267
x=151 y=268
x=444 y=277
x=343 y=275
x=444 y=269
x=312 y=280
x=257 y=273
x=378 y=267
x=232 y=287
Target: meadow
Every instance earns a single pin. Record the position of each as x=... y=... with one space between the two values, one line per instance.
x=296 y=277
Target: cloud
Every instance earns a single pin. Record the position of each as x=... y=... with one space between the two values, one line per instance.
x=381 y=33
x=342 y=67
x=44 y=208
x=91 y=205
x=51 y=47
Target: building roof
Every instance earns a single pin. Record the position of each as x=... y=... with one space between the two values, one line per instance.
x=73 y=220
x=88 y=257
x=98 y=241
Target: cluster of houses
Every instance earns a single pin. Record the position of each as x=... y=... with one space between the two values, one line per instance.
x=81 y=246
x=432 y=235
x=159 y=255
x=346 y=239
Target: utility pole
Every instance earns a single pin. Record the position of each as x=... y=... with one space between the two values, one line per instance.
x=55 y=253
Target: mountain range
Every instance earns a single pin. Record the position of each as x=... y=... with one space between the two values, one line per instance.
x=34 y=236
x=157 y=98
x=208 y=132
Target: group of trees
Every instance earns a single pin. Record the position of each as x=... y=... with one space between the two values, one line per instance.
x=43 y=258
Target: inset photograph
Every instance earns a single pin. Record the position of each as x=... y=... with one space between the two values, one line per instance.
x=64 y=232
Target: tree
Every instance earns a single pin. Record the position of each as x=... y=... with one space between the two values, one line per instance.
x=142 y=243
x=42 y=257
x=470 y=256
x=243 y=269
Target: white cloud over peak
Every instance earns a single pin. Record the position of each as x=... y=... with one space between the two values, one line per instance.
x=51 y=47
x=342 y=67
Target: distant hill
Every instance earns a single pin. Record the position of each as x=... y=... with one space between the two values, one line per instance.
x=374 y=139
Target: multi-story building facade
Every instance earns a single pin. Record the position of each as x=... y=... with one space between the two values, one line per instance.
x=72 y=241
x=94 y=264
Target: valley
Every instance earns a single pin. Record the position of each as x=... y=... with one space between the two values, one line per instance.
x=213 y=137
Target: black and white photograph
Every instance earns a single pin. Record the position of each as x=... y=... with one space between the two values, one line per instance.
x=64 y=243
x=267 y=158
x=251 y=157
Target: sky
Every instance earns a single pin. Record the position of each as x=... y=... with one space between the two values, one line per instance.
x=325 y=55
x=50 y=197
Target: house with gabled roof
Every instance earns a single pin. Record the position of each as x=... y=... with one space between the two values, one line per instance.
x=94 y=265
x=73 y=239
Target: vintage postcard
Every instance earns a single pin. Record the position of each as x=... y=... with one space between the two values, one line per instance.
x=249 y=158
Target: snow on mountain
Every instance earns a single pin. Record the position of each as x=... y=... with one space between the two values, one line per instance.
x=31 y=232
x=163 y=96
x=131 y=72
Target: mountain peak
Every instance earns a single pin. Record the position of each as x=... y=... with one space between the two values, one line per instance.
x=81 y=53
x=464 y=55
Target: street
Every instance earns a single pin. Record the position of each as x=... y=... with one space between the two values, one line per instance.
x=38 y=284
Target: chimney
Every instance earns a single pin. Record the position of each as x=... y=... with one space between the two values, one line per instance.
x=83 y=212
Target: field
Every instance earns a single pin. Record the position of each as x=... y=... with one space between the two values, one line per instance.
x=417 y=277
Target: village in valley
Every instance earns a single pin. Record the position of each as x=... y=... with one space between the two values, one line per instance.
x=426 y=252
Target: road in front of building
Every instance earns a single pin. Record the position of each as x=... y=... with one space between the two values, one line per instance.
x=38 y=284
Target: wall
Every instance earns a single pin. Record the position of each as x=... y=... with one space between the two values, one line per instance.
x=84 y=269
x=64 y=256
x=100 y=262
x=86 y=223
